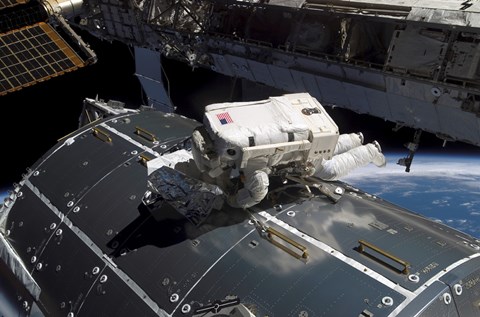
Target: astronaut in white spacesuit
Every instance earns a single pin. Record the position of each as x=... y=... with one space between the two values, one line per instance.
x=242 y=145
x=350 y=153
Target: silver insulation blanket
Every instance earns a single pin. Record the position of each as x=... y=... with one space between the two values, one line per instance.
x=191 y=197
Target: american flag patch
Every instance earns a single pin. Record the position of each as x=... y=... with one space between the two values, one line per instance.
x=224 y=118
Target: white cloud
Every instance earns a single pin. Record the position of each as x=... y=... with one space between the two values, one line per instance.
x=471 y=205
x=457 y=222
x=441 y=202
x=453 y=168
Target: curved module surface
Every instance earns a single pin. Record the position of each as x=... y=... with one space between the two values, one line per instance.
x=78 y=241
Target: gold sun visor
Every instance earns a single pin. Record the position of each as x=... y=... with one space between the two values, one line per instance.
x=33 y=54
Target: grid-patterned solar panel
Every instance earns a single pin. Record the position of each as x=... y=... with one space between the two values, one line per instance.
x=10 y=3
x=33 y=54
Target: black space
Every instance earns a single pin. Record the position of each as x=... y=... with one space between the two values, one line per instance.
x=35 y=117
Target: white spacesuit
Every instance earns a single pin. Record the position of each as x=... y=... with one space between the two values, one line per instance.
x=241 y=145
x=349 y=154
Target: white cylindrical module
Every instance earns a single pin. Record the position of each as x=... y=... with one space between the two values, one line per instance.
x=66 y=8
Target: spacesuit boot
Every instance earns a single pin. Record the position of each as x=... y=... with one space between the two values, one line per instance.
x=379 y=159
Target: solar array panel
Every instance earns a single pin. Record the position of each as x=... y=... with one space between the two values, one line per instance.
x=10 y=3
x=33 y=54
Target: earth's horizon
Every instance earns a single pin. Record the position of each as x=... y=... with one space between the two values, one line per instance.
x=445 y=188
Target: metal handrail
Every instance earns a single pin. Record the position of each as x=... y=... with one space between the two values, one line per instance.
x=364 y=244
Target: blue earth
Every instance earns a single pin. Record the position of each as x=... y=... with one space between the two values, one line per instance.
x=441 y=187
